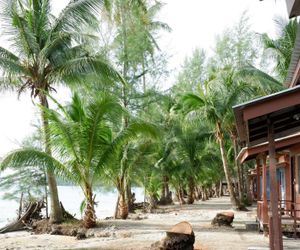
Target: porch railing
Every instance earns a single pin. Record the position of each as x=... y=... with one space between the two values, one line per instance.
x=288 y=210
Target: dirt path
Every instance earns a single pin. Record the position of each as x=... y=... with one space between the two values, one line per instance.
x=143 y=230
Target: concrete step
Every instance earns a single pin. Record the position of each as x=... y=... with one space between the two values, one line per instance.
x=251 y=226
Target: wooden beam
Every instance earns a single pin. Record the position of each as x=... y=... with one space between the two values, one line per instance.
x=278 y=135
x=276 y=238
x=293 y=142
x=293 y=8
x=264 y=189
x=271 y=105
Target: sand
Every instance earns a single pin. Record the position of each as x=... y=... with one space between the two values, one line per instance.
x=142 y=230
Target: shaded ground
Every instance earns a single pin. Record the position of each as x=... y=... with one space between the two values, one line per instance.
x=142 y=230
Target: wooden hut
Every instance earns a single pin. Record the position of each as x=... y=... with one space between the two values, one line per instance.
x=269 y=130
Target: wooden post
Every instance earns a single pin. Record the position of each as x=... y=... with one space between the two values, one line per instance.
x=264 y=189
x=258 y=197
x=276 y=231
x=271 y=233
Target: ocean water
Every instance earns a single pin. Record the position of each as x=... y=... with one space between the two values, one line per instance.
x=71 y=197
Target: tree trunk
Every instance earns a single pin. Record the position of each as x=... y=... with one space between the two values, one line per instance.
x=89 y=218
x=197 y=193
x=221 y=189
x=215 y=190
x=56 y=213
x=163 y=188
x=20 y=206
x=130 y=197
x=166 y=197
x=191 y=191
x=122 y=210
x=46 y=194
x=179 y=192
x=207 y=193
x=238 y=167
x=220 y=138
x=203 y=195
x=153 y=202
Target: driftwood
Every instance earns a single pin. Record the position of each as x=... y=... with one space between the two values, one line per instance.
x=141 y=205
x=31 y=214
x=24 y=222
x=180 y=237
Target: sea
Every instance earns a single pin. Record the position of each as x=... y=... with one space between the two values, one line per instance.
x=71 y=197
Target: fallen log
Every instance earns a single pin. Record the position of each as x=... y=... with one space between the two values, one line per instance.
x=33 y=211
x=141 y=206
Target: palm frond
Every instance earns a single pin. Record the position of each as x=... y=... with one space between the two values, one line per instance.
x=77 y=69
x=4 y=53
x=265 y=80
x=34 y=158
x=10 y=66
x=133 y=131
x=192 y=102
x=78 y=13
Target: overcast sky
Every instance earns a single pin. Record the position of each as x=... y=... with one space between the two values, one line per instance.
x=194 y=23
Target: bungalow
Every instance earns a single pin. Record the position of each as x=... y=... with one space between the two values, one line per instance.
x=269 y=130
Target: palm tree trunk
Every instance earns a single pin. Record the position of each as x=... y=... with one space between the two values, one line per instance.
x=130 y=197
x=179 y=194
x=220 y=138
x=56 y=212
x=163 y=188
x=153 y=202
x=191 y=191
x=238 y=167
x=46 y=193
x=221 y=188
x=89 y=218
x=203 y=196
x=122 y=209
x=197 y=193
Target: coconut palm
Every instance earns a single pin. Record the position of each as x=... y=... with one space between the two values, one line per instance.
x=45 y=50
x=214 y=103
x=282 y=47
x=187 y=144
x=79 y=135
x=120 y=166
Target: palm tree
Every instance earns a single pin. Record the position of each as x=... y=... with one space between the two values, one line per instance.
x=81 y=138
x=188 y=144
x=45 y=50
x=120 y=165
x=214 y=103
x=282 y=47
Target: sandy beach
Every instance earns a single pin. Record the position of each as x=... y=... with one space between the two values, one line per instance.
x=142 y=230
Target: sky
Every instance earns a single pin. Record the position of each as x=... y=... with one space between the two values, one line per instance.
x=194 y=23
